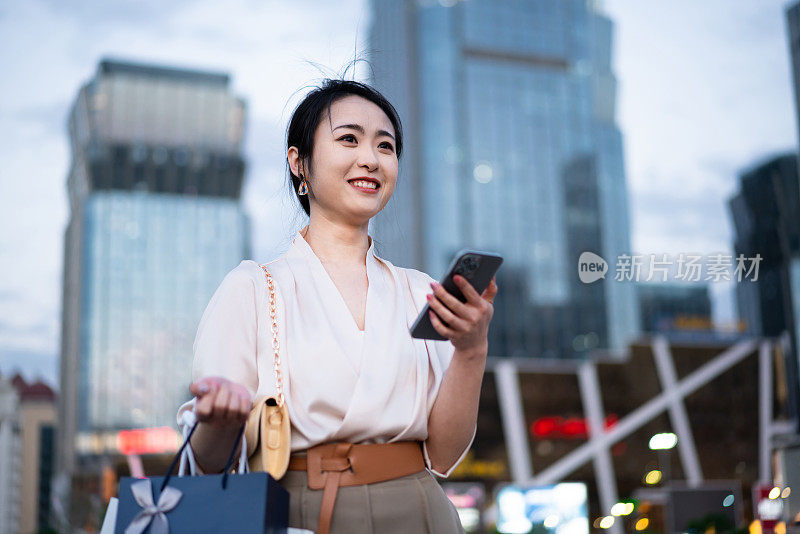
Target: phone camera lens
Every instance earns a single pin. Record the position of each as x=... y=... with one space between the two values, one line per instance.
x=468 y=265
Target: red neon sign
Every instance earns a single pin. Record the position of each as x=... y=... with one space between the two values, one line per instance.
x=147 y=440
x=554 y=427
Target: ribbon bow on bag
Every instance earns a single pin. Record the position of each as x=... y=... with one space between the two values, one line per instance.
x=155 y=513
x=244 y=503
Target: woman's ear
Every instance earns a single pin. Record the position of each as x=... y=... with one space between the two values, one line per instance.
x=295 y=163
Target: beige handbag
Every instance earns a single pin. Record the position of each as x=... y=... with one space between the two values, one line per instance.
x=268 y=429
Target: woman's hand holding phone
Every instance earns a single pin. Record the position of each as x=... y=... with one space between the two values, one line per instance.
x=467 y=322
x=475 y=271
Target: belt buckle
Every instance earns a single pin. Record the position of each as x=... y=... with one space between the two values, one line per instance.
x=327 y=459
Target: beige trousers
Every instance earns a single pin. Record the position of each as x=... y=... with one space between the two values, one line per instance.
x=411 y=504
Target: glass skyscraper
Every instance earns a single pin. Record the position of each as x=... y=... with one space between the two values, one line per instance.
x=155 y=224
x=766 y=219
x=509 y=109
x=793 y=34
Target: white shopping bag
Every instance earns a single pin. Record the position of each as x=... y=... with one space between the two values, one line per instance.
x=111 y=517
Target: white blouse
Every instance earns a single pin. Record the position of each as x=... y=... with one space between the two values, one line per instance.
x=340 y=383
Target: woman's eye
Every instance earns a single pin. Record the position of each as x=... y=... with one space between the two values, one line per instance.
x=350 y=138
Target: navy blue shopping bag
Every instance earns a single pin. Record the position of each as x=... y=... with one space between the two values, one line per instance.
x=247 y=503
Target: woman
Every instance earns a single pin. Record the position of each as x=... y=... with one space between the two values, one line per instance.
x=351 y=371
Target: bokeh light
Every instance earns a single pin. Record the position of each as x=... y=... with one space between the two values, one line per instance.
x=653 y=477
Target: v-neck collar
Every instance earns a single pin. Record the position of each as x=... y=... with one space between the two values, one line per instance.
x=303 y=248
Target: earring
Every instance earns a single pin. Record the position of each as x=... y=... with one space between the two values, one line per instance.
x=303 y=189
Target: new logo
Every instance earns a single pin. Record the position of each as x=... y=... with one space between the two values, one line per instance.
x=591 y=267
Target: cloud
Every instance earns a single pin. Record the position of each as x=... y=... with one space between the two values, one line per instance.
x=704 y=91
x=52 y=48
x=32 y=365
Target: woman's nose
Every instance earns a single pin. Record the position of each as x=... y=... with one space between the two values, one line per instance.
x=367 y=159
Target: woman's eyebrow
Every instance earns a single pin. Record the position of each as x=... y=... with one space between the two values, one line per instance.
x=360 y=129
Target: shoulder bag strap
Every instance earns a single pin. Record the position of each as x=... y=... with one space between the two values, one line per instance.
x=273 y=312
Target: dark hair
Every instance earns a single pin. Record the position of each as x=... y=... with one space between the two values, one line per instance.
x=308 y=114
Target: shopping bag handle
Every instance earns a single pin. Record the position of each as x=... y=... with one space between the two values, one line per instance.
x=228 y=464
x=188 y=420
x=231 y=457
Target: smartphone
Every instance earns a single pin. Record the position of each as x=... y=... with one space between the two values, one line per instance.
x=477 y=267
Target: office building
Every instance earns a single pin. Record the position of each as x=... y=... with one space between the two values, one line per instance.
x=10 y=466
x=37 y=420
x=793 y=32
x=766 y=220
x=512 y=147
x=674 y=307
x=155 y=224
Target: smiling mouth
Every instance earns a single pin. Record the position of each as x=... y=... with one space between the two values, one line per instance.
x=364 y=185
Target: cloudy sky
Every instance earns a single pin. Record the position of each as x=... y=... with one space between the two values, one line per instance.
x=704 y=91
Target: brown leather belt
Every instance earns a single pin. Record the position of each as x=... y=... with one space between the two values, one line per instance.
x=334 y=465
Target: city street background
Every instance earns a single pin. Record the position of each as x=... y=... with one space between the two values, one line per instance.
x=143 y=158
x=704 y=92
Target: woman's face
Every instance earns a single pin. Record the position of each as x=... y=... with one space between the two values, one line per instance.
x=357 y=142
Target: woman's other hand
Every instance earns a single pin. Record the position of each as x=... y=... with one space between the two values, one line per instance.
x=221 y=403
x=467 y=322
